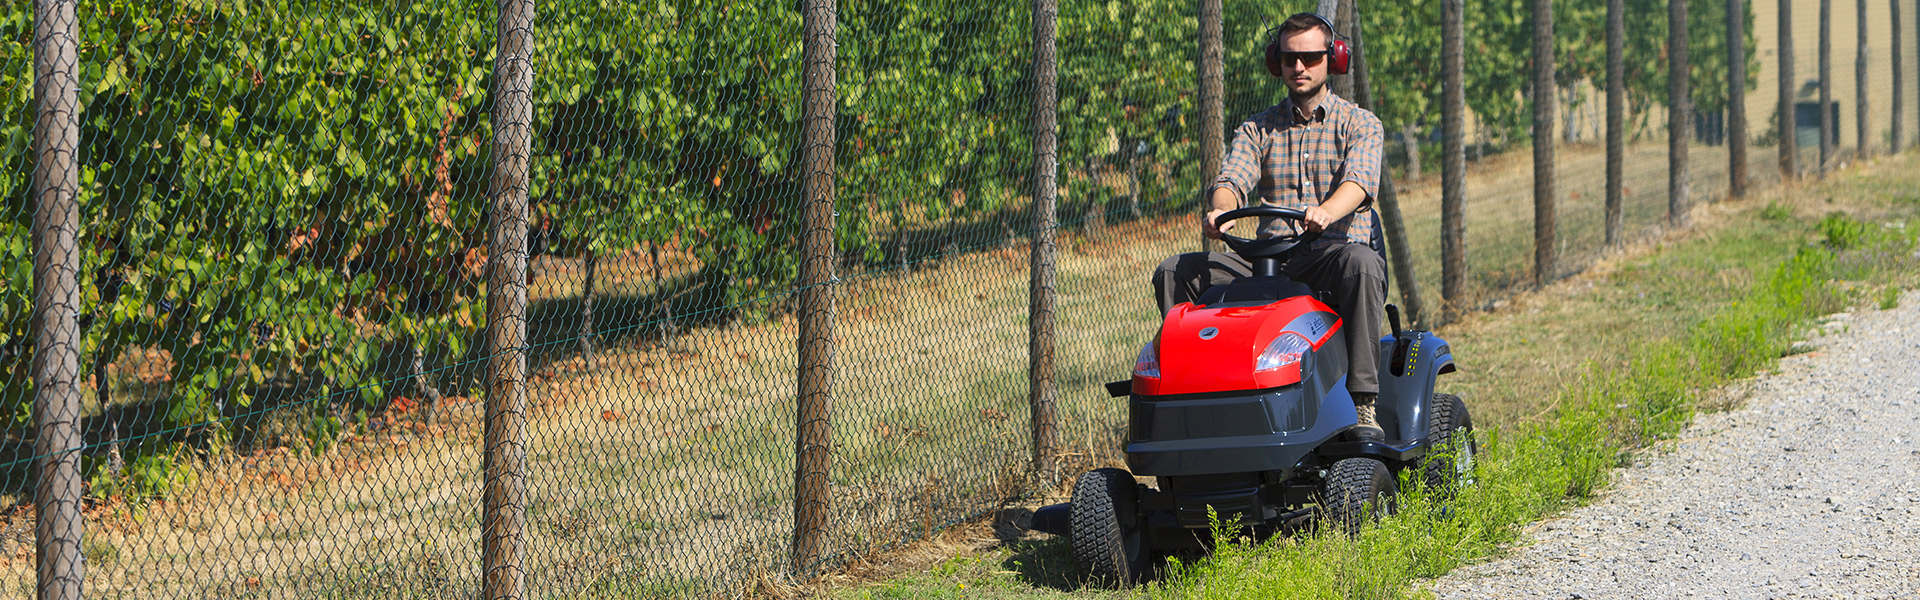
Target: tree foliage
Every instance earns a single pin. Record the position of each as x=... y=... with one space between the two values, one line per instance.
x=281 y=190
x=1403 y=49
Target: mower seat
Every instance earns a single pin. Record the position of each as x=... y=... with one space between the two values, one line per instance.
x=1253 y=291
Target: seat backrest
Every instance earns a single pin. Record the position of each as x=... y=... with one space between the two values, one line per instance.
x=1380 y=245
x=1253 y=291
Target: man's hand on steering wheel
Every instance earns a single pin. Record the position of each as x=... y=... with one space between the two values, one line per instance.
x=1210 y=229
x=1317 y=219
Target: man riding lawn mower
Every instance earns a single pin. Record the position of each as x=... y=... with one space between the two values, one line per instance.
x=1261 y=403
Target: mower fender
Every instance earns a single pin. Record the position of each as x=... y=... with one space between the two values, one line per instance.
x=1410 y=361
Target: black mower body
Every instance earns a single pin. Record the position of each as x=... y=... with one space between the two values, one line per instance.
x=1238 y=409
x=1253 y=456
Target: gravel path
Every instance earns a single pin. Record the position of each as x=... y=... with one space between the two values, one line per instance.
x=1809 y=489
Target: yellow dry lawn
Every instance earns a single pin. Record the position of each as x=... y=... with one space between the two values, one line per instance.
x=668 y=468
x=672 y=463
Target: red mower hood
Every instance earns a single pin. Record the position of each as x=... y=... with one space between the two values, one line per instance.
x=1205 y=350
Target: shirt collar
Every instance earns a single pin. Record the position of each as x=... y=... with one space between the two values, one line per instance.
x=1319 y=111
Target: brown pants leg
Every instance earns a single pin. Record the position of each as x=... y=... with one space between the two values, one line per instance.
x=1184 y=277
x=1356 y=276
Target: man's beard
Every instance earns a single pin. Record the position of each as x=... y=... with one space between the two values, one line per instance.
x=1310 y=94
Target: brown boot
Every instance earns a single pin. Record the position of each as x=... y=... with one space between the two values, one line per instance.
x=1368 y=428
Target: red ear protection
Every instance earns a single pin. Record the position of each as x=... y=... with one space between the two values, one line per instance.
x=1338 y=56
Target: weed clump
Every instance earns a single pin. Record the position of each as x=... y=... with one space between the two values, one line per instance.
x=1842 y=232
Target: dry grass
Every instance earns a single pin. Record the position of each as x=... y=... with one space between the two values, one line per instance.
x=668 y=469
x=1499 y=211
x=672 y=462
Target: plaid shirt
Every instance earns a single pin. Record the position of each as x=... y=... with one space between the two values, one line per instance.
x=1293 y=160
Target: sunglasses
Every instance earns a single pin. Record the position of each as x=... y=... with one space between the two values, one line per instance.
x=1310 y=59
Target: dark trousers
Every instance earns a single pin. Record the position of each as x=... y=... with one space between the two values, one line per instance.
x=1354 y=274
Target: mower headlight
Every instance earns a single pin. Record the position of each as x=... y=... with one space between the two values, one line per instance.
x=1285 y=350
x=1148 y=364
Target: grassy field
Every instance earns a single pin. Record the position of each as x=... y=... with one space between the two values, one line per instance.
x=667 y=469
x=1566 y=380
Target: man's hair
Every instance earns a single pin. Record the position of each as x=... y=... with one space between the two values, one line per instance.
x=1302 y=22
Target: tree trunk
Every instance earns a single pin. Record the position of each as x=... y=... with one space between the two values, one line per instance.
x=1387 y=206
x=1789 y=127
x=1827 y=126
x=1616 y=117
x=1736 y=98
x=1096 y=219
x=423 y=383
x=586 y=311
x=1679 y=117
x=817 y=340
x=1212 y=126
x=1545 y=93
x=1863 y=124
x=1410 y=134
x=110 y=418
x=1133 y=181
x=1041 y=388
x=1342 y=15
x=503 y=516
x=1899 y=80
x=1453 y=198
x=663 y=301
x=59 y=564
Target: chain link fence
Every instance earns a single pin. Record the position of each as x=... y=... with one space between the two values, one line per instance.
x=391 y=300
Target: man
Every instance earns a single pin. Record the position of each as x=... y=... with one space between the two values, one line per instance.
x=1320 y=153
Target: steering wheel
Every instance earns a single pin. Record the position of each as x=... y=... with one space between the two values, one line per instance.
x=1273 y=247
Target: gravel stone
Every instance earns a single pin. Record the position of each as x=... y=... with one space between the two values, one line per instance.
x=1807 y=490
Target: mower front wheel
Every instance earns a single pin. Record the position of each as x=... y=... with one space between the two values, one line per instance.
x=1109 y=543
x=1357 y=490
x=1450 y=429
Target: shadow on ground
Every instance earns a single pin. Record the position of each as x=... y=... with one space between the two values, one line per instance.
x=1044 y=561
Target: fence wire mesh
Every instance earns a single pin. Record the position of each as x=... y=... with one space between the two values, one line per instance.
x=284 y=250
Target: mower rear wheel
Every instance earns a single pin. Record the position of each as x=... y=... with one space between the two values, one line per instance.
x=1449 y=466
x=1357 y=490
x=1109 y=543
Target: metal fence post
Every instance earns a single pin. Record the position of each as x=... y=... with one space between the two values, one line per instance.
x=1679 y=116
x=1899 y=79
x=813 y=445
x=1736 y=98
x=1544 y=96
x=1388 y=203
x=1616 y=117
x=1789 y=126
x=56 y=302
x=1212 y=126
x=504 y=502
x=1862 y=125
x=1453 y=175
x=1040 y=339
x=1827 y=126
